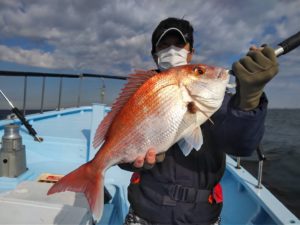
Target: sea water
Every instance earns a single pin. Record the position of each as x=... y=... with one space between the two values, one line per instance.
x=281 y=147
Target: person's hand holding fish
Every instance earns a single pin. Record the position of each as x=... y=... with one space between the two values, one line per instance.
x=149 y=160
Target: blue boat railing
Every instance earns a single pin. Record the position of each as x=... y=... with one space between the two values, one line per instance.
x=44 y=76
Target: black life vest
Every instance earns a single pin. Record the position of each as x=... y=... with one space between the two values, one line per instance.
x=181 y=190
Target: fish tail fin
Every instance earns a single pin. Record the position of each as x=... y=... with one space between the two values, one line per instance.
x=85 y=180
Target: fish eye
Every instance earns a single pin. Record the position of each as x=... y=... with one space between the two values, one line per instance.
x=200 y=70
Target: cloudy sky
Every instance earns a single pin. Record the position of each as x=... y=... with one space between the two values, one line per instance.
x=113 y=37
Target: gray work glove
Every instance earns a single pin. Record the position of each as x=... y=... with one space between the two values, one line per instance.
x=252 y=73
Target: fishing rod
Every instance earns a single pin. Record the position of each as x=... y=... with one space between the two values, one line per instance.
x=288 y=45
x=284 y=47
x=22 y=118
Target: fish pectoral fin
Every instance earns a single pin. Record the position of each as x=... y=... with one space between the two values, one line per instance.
x=195 y=138
x=192 y=141
x=185 y=147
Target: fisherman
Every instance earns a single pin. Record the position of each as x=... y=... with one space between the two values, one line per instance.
x=174 y=189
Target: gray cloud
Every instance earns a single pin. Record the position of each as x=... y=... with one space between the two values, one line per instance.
x=31 y=57
x=103 y=35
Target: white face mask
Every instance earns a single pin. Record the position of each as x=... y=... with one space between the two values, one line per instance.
x=171 y=56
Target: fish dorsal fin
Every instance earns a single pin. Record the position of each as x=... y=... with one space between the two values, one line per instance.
x=134 y=82
x=191 y=141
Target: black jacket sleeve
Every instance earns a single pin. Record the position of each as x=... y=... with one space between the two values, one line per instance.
x=238 y=132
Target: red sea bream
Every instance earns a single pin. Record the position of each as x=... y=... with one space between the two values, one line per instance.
x=154 y=110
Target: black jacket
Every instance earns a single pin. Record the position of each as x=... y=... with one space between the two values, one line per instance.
x=234 y=131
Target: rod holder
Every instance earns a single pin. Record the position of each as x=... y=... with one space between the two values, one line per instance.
x=261 y=158
x=238 y=163
x=259 y=175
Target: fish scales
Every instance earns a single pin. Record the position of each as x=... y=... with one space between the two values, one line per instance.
x=161 y=109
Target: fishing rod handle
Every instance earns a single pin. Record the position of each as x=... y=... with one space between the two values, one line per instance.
x=284 y=47
x=288 y=44
x=21 y=117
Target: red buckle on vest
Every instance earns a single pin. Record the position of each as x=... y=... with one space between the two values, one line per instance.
x=135 y=178
x=217 y=195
